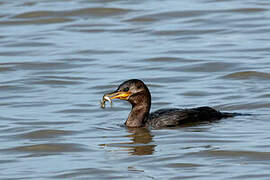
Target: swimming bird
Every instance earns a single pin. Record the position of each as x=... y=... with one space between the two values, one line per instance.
x=138 y=94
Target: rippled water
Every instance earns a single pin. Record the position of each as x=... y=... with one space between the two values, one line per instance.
x=58 y=58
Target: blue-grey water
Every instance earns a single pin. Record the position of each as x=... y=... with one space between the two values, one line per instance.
x=58 y=58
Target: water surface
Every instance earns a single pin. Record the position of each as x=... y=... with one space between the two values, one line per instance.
x=58 y=58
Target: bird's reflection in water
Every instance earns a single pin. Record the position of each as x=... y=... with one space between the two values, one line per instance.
x=141 y=142
x=141 y=139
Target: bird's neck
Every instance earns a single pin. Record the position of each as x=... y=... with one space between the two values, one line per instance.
x=139 y=113
x=137 y=117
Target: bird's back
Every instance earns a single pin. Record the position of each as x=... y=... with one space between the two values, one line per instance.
x=174 y=117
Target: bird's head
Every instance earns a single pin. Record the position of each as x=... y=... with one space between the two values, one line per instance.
x=133 y=90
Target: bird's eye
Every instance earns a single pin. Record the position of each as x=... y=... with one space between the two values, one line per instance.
x=126 y=89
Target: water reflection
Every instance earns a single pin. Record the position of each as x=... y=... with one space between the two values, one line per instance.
x=141 y=142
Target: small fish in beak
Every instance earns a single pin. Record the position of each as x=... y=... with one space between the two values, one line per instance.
x=104 y=99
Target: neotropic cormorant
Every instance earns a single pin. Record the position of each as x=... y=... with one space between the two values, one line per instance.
x=137 y=93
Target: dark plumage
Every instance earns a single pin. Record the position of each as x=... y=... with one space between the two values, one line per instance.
x=137 y=93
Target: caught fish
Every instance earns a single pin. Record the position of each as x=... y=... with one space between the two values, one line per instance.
x=104 y=99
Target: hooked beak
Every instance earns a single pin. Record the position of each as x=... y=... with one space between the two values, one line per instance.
x=118 y=95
